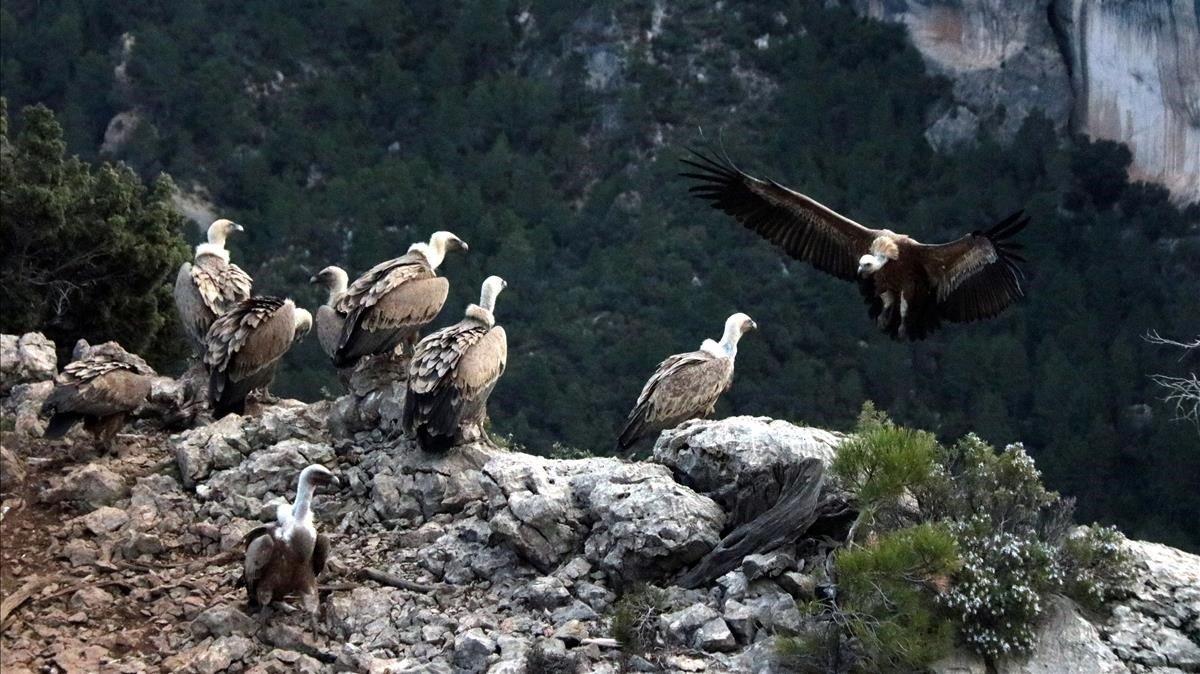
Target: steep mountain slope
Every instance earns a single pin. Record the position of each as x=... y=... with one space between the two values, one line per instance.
x=547 y=136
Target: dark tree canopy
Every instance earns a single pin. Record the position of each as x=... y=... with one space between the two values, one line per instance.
x=85 y=251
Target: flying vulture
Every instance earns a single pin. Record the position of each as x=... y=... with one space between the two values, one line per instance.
x=210 y=285
x=244 y=346
x=285 y=557
x=451 y=373
x=686 y=385
x=390 y=304
x=911 y=287
x=329 y=321
x=100 y=390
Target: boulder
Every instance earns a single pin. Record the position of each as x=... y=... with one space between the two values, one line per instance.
x=1158 y=625
x=374 y=398
x=222 y=620
x=708 y=456
x=472 y=650
x=93 y=485
x=26 y=358
x=12 y=471
x=24 y=406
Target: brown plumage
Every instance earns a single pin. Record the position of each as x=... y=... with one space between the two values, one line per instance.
x=210 y=285
x=686 y=385
x=100 y=390
x=452 y=373
x=393 y=301
x=286 y=557
x=910 y=286
x=244 y=346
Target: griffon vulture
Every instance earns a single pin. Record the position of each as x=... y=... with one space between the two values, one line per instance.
x=911 y=287
x=210 y=285
x=244 y=346
x=285 y=558
x=329 y=321
x=390 y=303
x=100 y=390
x=686 y=385
x=451 y=374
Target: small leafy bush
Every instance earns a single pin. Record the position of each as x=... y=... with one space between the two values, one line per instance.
x=882 y=462
x=1095 y=566
x=889 y=590
x=814 y=651
x=635 y=617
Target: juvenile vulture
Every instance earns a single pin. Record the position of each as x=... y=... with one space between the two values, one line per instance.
x=329 y=321
x=451 y=374
x=910 y=287
x=100 y=390
x=210 y=285
x=390 y=303
x=244 y=346
x=285 y=557
x=686 y=385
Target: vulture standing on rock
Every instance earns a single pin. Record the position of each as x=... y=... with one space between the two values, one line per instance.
x=99 y=390
x=285 y=558
x=451 y=374
x=390 y=303
x=329 y=321
x=210 y=285
x=244 y=346
x=686 y=385
x=911 y=287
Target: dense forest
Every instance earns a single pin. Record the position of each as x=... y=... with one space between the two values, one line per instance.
x=548 y=136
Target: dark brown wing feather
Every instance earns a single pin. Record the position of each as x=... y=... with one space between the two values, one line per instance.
x=320 y=554
x=803 y=228
x=977 y=276
x=433 y=405
x=374 y=324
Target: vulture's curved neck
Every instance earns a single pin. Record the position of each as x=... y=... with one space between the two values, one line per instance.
x=210 y=248
x=481 y=314
x=302 y=508
x=727 y=347
x=431 y=253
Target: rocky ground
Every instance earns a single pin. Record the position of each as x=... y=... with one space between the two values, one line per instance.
x=490 y=560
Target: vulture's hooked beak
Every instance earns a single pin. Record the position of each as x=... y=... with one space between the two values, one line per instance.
x=238 y=228
x=753 y=324
x=313 y=279
x=335 y=482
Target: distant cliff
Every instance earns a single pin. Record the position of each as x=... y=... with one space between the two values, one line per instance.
x=1127 y=71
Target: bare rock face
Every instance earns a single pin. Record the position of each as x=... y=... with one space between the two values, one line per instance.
x=12 y=471
x=374 y=398
x=92 y=484
x=1159 y=626
x=24 y=406
x=710 y=455
x=24 y=359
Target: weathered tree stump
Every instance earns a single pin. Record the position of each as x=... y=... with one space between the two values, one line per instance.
x=763 y=520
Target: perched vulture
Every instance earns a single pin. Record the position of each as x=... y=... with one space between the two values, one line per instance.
x=911 y=287
x=244 y=346
x=210 y=285
x=686 y=385
x=390 y=304
x=99 y=390
x=329 y=321
x=285 y=557
x=451 y=374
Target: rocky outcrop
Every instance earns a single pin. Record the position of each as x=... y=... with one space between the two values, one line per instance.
x=24 y=359
x=1122 y=71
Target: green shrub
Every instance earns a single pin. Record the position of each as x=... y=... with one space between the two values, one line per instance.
x=635 y=617
x=889 y=590
x=814 y=651
x=881 y=463
x=1095 y=566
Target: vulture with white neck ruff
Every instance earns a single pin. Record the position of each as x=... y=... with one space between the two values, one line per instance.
x=910 y=287
x=285 y=558
x=101 y=391
x=686 y=385
x=329 y=321
x=210 y=285
x=390 y=303
x=451 y=374
x=244 y=346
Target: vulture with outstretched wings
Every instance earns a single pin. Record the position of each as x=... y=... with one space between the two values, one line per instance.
x=911 y=287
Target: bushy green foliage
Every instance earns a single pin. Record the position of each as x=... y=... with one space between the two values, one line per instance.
x=814 y=651
x=340 y=132
x=1095 y=566
x=881 y=462
x=999 y=594
x=634 y=621
x=888 y=590
x=84 y=251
